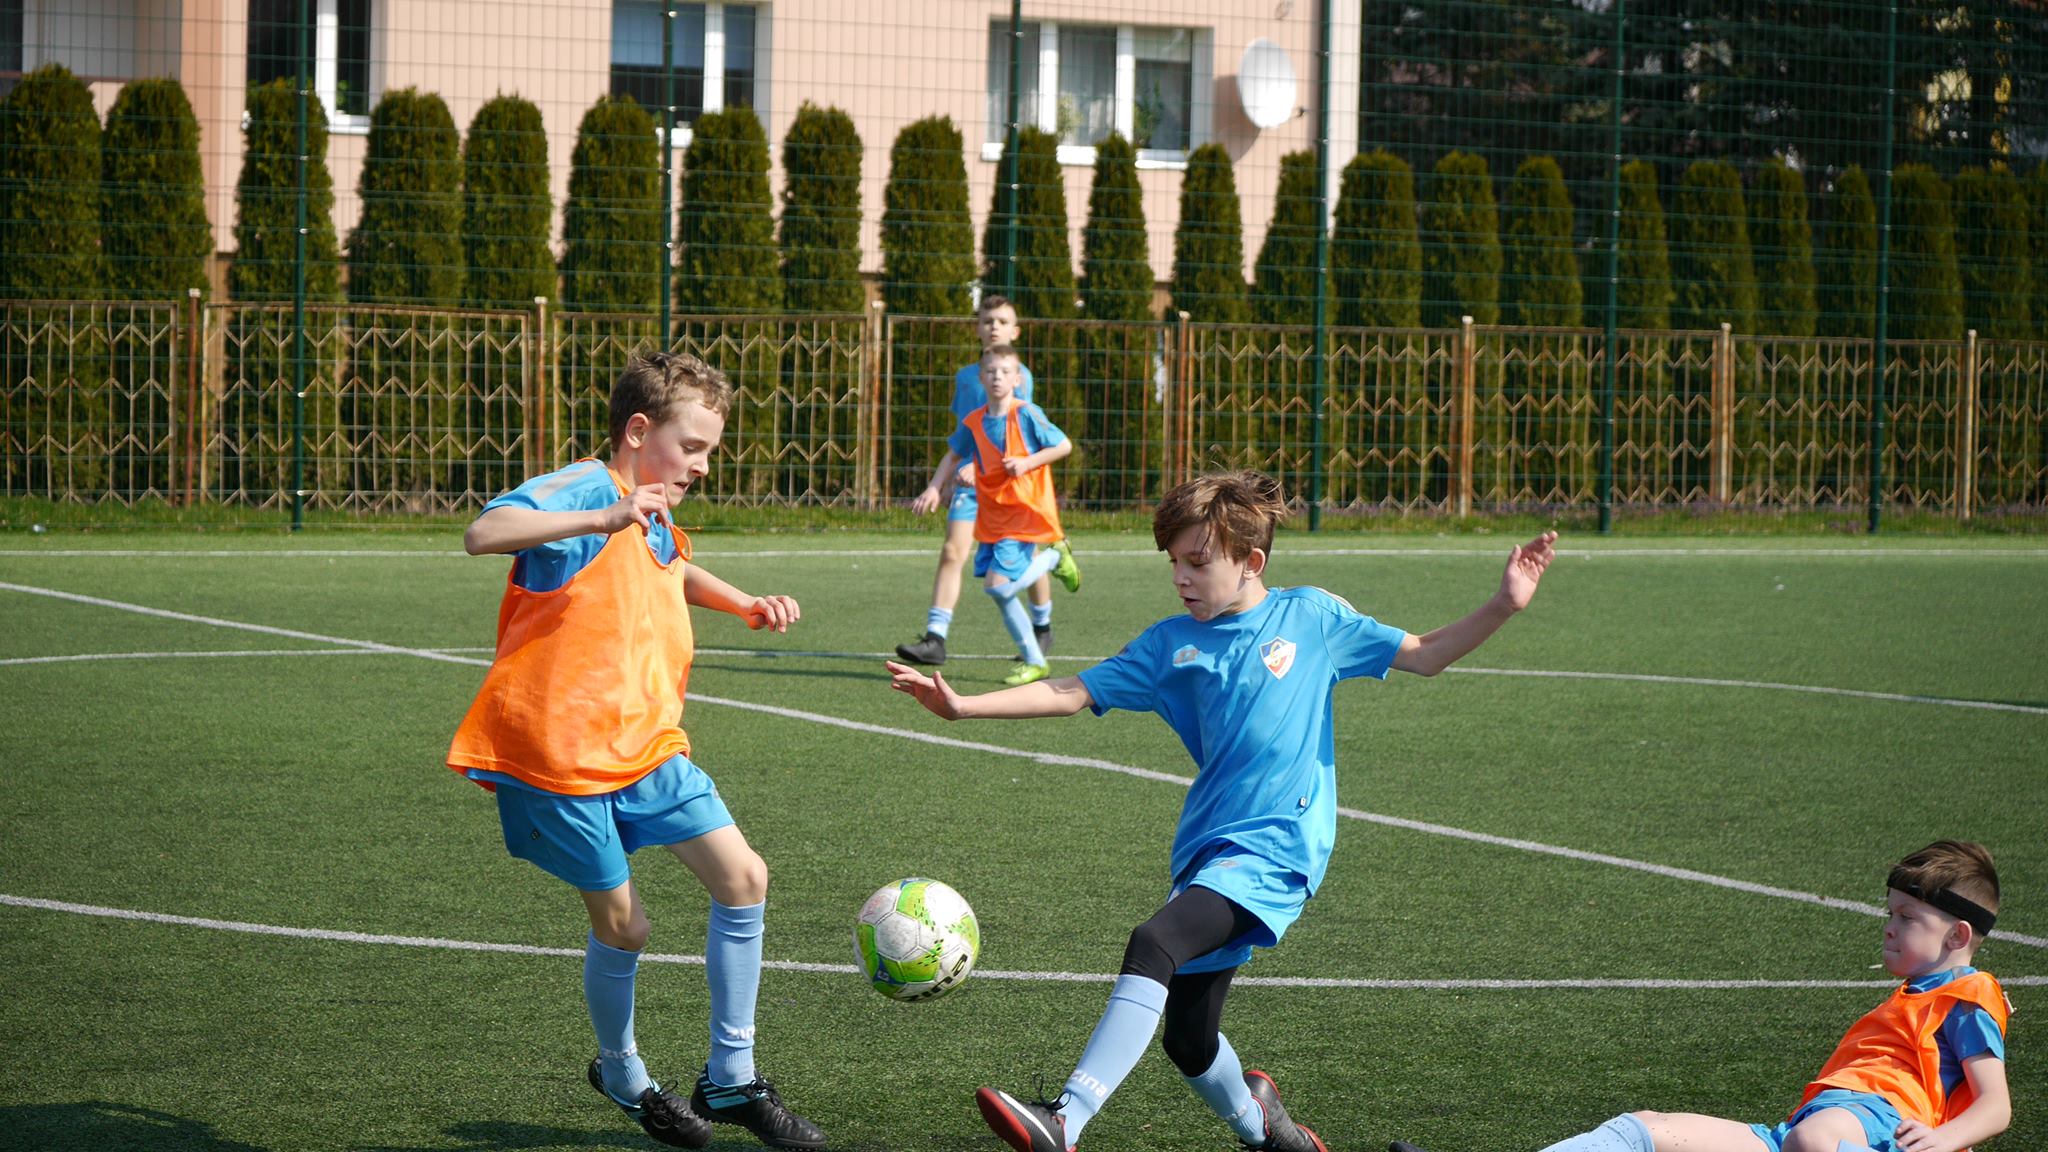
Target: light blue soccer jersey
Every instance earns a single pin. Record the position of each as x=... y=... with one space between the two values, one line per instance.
x=585 y=486
x=1038 y=428
x=1249 y=696
x=968 y=394
x=1967 y=1031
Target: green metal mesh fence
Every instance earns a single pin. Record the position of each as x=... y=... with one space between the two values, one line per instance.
x=1590 y=260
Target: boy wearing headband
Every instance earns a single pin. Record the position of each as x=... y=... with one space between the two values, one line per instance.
x=1922 y=1072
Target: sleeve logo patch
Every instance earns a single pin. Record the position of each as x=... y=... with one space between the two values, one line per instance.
x=1278 y=653
x=1188 y=654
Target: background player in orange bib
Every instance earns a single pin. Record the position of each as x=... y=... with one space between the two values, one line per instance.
x=577 y=729
x=1922 y=1072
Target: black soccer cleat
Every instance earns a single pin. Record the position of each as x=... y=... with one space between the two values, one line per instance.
x=759 y=1109
x=930 y=650
x=1402 y=1146
x=1027 y=1126
x=1282 y=1133
x=1044 y=638
x=662 y=1115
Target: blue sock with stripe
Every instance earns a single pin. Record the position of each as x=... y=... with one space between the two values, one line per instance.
x=1018 y=622
x=1624 y=1133
x=938 y=621
x=1120 y=1038
x=1223 y=1089
x=608 y=974
x=732 y=966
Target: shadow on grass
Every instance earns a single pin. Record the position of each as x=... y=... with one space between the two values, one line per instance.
x=99 y=1124
x=502 y=1136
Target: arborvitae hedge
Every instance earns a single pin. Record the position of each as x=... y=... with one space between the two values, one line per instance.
x=611 y=224
x=406 y=247
x=1926 y=281
x=1710 y=257
x=1848 y=264
x=1044 y=286
x=1116 y=261
x=1781 y=242
x=1991 y=236
x=927 y=270
x=2036 y=188
x=1541 y=281
x=725 y=239
x=49 y=189
x=821 y=213
x=153 y=222
x=1376 y=251
x=266 y=200
x=1208 y=244
x=927 y=234
x=1284 y=276
x=507 y=207
x=1461 y=256
x=1644 y=293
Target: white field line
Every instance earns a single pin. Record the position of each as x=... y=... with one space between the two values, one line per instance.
x=1054 y=758
x=1494 y=552
x=442 y=943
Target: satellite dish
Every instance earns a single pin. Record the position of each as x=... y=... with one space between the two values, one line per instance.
x=1265 y=84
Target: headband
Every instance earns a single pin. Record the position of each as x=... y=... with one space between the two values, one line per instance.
x=1961 y=907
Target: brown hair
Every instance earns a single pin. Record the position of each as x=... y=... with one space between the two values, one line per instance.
x=652 y=383
x=1240 y=509
x=1959 y=866
x=994 y=350
x=991 y=302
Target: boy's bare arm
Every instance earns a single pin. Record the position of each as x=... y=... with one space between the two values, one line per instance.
x=1988 y=1115
x=1432 y=652
x=506 y=529
x=1062 y=697
x=703 y=590
x=942 y=478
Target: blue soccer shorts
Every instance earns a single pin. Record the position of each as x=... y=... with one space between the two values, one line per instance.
x=1008 y=557
x=965 y=504
x=1879 y=1118
x=1275 y=895
x=584 y=840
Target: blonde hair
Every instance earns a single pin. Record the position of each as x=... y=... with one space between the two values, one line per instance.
x=1240 y=510
x=651 y=384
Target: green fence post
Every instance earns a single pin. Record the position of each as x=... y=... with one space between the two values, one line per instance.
x=305 y=79
x=1606 y=495
x=1319 y=369
x=1884 y=275
x=668 y=169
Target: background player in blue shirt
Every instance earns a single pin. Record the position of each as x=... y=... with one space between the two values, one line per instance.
x=996 y=324
x=1245 y=681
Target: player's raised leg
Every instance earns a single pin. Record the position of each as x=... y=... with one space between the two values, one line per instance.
x=954 y=553
x=611 y=961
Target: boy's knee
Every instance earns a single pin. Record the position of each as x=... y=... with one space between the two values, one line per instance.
x=747 y=882
x=628 y=933
x=1192 y=1054
x=1147 y=955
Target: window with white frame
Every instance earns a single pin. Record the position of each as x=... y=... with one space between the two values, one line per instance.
x=341 y=53
x=714 y=50
x=1080 y=82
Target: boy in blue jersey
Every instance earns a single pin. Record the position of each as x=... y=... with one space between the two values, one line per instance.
x=996 y=324
x=577 y=730
x=1012 y=446
x=1245 y=680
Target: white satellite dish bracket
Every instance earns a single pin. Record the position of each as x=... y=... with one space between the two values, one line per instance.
x=1265 y=84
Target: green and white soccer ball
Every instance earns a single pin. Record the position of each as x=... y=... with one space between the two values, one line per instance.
x=916 y=939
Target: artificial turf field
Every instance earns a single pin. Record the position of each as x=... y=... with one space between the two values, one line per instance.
x=1554 y=897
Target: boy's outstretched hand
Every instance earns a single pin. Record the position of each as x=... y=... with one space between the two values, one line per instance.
x=775 y=613
x=931 y=691
x=1526 y=565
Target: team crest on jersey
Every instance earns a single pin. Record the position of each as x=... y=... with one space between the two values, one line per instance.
x=1188 y=654
x=1278 y=653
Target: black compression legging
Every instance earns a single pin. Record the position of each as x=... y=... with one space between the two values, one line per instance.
x=1194 y=923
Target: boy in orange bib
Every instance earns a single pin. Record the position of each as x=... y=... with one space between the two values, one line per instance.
x=1013 y=445
x=577 y=729
x=1922 y=1072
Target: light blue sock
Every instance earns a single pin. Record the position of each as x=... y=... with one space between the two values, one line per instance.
x=938 y=621
x=1223 y=1089
x=1047 y=558
x=1041 y=615
x=732 y=965
x=1121 y=1036
x=608 y=989
x=1624 y=1133
x=1018 y=622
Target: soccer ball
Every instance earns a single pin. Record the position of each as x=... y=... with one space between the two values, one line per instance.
x=916 y=939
